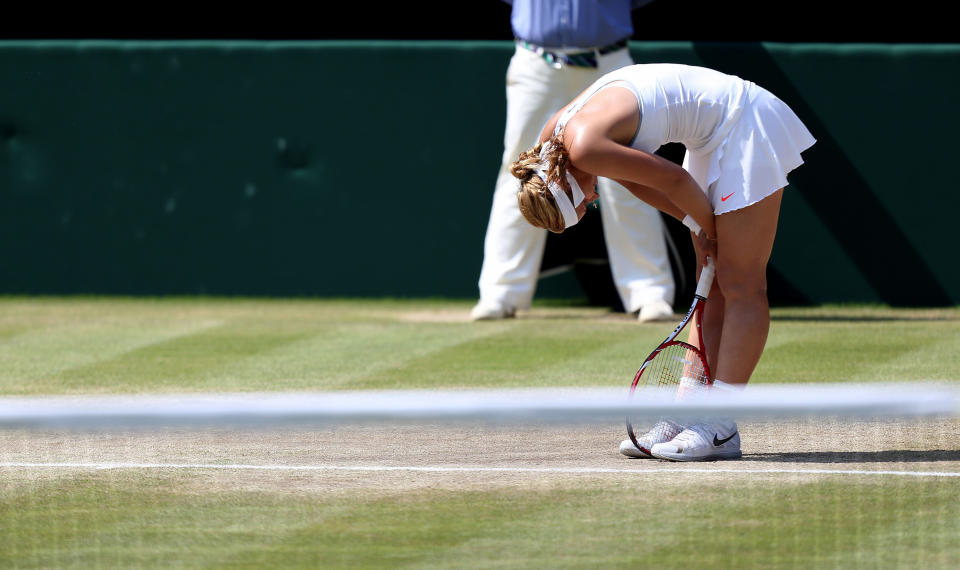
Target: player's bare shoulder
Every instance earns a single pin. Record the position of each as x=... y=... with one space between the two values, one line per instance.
x=612 y=112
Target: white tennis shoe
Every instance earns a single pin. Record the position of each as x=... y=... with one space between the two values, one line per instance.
x=662 y=432
x=702 y=442
x=486 y=311
x=654 y=311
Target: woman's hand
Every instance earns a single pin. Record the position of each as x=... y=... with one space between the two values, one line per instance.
x=705 y=246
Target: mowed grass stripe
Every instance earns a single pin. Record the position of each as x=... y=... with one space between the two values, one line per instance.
x=185 y=363
x=116 y=520
x=10 y=331
x=931 y=349
x=347 y=356
x=856 y=351
x=91 y=346
x=528 y=354
x=258 y=356
x=38 y=360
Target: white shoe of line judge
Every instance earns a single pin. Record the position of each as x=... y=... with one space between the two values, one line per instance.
x=484 y=311
x=658 y=310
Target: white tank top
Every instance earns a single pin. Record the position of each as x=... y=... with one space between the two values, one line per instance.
x=693 y=106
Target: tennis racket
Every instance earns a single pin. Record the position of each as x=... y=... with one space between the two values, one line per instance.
x=675 y=365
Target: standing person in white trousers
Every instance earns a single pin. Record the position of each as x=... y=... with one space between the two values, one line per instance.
x=549 y=68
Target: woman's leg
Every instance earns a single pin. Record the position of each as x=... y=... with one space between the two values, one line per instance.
x=736 y=321
x=745 y=241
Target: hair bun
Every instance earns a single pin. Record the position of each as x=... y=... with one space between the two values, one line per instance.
x=527 y=164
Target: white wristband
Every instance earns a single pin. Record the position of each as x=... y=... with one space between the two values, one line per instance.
x=692 y=224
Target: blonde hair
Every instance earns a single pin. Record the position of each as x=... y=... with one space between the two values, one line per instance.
x=536 y=202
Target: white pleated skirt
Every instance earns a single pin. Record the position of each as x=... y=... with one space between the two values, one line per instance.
x=755 y=157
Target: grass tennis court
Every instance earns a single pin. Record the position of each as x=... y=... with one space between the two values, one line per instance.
x=832 y=493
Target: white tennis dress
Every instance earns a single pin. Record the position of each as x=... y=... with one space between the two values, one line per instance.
x=741 y=140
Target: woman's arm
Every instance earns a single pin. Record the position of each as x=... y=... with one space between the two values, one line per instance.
x=702 y=245
x=653 y=197
x=601 y=156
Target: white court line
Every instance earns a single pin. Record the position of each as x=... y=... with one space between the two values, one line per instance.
x=440 y=469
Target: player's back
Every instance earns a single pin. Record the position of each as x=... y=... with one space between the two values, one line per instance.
x=684 y=104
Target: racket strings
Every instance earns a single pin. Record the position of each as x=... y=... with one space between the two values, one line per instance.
x=677 y=365
x=677 y=370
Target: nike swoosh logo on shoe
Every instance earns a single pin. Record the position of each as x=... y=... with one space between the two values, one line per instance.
x=718 y=442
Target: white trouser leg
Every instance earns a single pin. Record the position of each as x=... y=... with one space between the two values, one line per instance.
x=513 y=249
x=633 y=231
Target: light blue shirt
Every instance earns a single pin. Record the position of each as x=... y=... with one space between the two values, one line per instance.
x=572 y=23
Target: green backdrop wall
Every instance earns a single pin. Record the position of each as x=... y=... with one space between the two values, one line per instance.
x=366 y=169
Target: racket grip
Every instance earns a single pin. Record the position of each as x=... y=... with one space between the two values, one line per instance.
x=706 y=279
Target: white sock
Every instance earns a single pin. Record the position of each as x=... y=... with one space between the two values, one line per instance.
x=690 y=388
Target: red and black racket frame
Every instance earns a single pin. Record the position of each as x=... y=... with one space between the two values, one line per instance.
x=696 y=313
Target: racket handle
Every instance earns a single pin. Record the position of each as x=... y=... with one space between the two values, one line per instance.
x=706 y=279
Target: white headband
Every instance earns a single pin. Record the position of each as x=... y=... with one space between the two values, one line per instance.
x=567 y=208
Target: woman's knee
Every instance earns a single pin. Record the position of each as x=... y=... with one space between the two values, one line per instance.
x=739 y=283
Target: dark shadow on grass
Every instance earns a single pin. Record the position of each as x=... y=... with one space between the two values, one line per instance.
x=889 y=456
